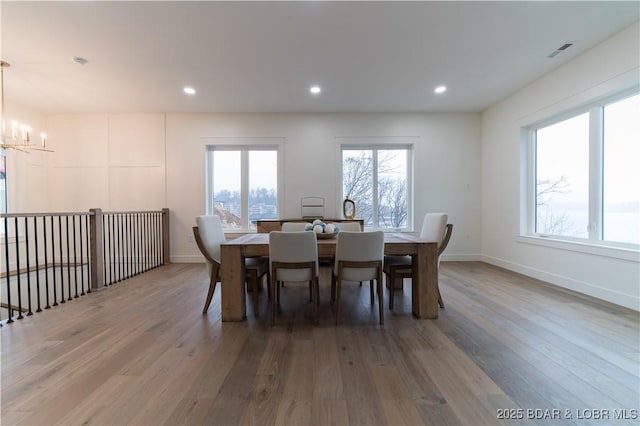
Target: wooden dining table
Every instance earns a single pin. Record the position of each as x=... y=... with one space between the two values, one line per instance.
x=424 y=287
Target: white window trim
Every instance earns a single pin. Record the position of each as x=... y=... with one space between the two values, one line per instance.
x=594 y=243
x=244 y=179
x=378 y=147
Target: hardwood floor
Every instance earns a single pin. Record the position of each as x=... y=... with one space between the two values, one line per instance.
x=507 y=349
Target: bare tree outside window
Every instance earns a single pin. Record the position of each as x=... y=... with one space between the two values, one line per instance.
x=550 y=221
x=376 y=180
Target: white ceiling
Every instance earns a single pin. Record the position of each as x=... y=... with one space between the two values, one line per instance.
x=264 y=56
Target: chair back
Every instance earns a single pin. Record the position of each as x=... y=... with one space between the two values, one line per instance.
x=434 y=227
x=293 y=226
x=349 y=226
x=293 y=247
x=359 y=247
x=211 y=235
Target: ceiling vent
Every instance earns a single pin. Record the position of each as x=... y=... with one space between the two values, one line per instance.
x=560 y=50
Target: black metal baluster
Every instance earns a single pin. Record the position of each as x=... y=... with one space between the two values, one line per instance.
x=159 y=237
x=137 y=243
x=53 y=263
x=82 y=284
x=149 y=243
x=145 y=246
x=17 y=232
x=26 y=246
x=35 y=233
x=120 y=248
x=160 y=244
x=75 y=257
x=46 y=261
x=152 y=240
x=156 y=240
x=105 y=235
x=112 y=240
x=125 y=244
x=129 y=247
x=8 y=277
x=86 y=236
x=145 y=238
x=62 y=300
x=68 y=257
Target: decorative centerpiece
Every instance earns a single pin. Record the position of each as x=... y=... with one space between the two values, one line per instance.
x=322 y=230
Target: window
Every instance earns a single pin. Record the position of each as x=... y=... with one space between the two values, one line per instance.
x=586 y=173
x=242 y=184
x=377 y=179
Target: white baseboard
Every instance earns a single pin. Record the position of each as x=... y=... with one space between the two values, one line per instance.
x=187 y=259
x=622 y=299
x=469 y=257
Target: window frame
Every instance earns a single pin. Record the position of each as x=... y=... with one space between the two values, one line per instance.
x=375 y=147
x=595 y=110
x=245 y=150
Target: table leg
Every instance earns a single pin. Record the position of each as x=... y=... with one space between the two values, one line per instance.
x=425 y=283
x=232 y=277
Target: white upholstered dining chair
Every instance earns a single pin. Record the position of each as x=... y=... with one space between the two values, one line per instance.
x=434 y=228
x=359 y=257
x=293 y=257
x=209 y=234
x=293 y=226
x=349 y=226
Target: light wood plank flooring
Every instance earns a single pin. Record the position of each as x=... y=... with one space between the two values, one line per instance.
x=507 y=349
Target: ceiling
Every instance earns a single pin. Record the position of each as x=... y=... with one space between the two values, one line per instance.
x=264 y=56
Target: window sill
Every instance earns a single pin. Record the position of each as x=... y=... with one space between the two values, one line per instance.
x=620 y=253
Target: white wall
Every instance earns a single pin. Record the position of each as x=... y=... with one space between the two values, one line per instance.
x=446 y=171
x=150 y=161
x=612 y=275
x=112 y=162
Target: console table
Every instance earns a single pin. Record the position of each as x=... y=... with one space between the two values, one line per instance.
x=268 y=225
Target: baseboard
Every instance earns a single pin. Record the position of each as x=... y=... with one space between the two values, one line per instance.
x=460 y=257
x=618 y=298
x=187 y=259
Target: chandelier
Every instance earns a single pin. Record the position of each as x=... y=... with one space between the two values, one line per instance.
x=18 y=136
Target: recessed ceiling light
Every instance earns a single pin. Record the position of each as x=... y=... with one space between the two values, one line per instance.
x=189 y=90
x=315 y=90
x=440 y=89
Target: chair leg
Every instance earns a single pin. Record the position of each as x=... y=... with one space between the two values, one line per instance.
x=268 y=285
x=212 y=288
x=391 y=277
x=252 y=283
x=315 y=300
x=278 y=307
x=333 y=288
x=272 y=299
x=371 y=292
x=380 y=299
x=338 y=299
x=440 y=302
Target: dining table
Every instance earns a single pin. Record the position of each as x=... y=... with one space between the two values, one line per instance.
x=424 y=254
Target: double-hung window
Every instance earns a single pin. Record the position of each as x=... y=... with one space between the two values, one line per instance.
x=378 y=179
x=242 y=184
x=585 y=180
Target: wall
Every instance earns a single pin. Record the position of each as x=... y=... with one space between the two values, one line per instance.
x=446 y=166
x=610 y=274
x=113 y=162
x=150 y=161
